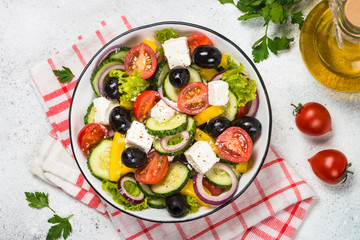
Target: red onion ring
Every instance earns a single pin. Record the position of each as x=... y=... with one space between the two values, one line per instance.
x=168 y=102
x=254 y=107
x=222 y=198
x=106 y=72
x=164 y=142
x=106 y=54
x=217 y=76
x=126 y=194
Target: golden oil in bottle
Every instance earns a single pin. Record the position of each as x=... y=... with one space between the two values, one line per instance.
x=335 y=67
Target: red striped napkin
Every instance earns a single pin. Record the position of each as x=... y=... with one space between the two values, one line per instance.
x=273 y=207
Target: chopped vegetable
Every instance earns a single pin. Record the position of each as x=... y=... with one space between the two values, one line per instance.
x=207 y=74
x=242 y=167
x=165 y=34
x=151 y=44
x=192 y=204
x=202 y=136
x=188 y=190
x=208 y=114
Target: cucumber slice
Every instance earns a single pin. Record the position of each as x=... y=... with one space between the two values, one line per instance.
x=146 y=190
x=175 y=179
x=119 y=53
x=191 y=128
x=175 y=125
x=98 y=160
x=157 y=203
x=90 y=114
x=161 y=71
x=104 y=65
x=231 y=108
x=172 y=92
x=218 y=178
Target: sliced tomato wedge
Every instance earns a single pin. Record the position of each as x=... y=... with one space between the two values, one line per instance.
x=144 y=103
x=141 y=58
x=215 y=191
x=90 y=135
x=193 y=98
x=235 y=145
x=154 y=170
x=196 y=40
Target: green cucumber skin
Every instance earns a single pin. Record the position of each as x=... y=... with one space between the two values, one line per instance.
x=162 y=68
x=165 y=132
x=211 y=177
x=95 y=76
x=90 y=113
x=158 y=203
x=146 y=193
x=89 y=161
x=216 y=184
x=178 y=189
x=230 y=113
x=119 y=53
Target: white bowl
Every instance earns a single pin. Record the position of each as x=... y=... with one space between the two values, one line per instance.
x=84 y=94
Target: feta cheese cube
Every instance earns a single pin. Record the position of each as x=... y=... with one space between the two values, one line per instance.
x=138 y=136
x=102 y=110
x=201 y=157
x=177 y=52
x=161 y=112
x=218 y=93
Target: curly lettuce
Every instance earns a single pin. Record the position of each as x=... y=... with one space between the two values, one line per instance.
x=129 y=86
x=165 y=34
x=118 y=198
x=240 y=84
x=192 y=205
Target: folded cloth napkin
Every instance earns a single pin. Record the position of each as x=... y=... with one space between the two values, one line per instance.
x=273 y=207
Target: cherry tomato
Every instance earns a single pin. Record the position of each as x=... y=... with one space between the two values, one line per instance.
x=330 y=165
x=141 y=58
x=215 y=191
x=235 y=145
x=90 y=135
x=193 y=98
x=154 y=170
x=144 y=103
x=312 y=119
x=196 y=40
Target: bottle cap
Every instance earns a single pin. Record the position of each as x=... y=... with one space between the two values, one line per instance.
x=352 y=12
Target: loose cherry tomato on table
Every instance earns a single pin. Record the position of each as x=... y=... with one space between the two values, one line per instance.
x=193 y=98
x=330 y=165
x=141 y=58
x=312 y=118
x=154 y=170
x=196 y=40
x=90 y=135
x=215 y=191
x=144 y=103
x=235 y=145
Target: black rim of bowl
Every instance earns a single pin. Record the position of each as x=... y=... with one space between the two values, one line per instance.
x=247 y=58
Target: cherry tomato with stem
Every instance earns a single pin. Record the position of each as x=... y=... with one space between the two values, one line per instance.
x=331 y=166
x=312 y=118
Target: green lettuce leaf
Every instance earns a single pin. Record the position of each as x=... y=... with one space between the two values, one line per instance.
x=192 y=205
x=129 y=86
x=118 y=198
x=165 y=34
x=240 y=85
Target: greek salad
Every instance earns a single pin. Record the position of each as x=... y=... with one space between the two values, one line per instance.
x=172 y=124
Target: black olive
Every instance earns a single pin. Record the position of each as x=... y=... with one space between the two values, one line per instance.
x=134 y=157
x=111 y=88
x=206 y=56
x=251 y=125
x=179 y=76
x=176 y=205
x=217 y=125
x=120 y=119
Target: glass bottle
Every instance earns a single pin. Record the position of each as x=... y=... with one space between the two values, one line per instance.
x=330 y=46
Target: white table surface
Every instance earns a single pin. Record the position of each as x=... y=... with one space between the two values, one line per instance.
x=30 y=31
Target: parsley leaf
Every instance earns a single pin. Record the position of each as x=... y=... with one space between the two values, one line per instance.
x=38 y=200
x=226 y=1
x=298 y=18
x=260 y=50
x=62 y=227
x=64 y=75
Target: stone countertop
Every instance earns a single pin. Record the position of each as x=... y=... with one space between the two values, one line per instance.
x=31 y=31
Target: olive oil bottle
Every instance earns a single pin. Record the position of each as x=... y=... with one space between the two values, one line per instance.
x=331 y=47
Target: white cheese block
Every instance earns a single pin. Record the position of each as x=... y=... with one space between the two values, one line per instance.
x=218 y=93
x=201 y=157
x=161 y=112
x=103 y=107
x=177 y=52
x=138 y=136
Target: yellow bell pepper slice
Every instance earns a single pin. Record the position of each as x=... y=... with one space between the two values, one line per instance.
x=127 y=105
x=207 y=74
x=242 y=167
x=224 y=61
x=116 y=167
x=208 y=114
x=202 y=136
x=151 y=44
x=189 y=190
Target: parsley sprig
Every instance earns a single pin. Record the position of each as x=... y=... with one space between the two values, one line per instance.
x=64 y=75
x=61 y=225
x=278 y=12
